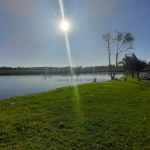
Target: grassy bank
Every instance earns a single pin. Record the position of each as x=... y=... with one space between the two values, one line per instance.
x=111 y=115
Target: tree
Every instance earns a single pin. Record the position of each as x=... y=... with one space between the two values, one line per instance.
x=108 y=40
x=122 y=42
x=141 y=64
x=125 y=63
x=132 y=64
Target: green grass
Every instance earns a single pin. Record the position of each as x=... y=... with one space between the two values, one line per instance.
x=112 y=115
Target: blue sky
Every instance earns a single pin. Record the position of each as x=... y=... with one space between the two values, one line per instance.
x=30 y=34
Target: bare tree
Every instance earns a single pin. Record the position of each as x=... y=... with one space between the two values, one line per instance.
x=108 y=40
x=122 y=42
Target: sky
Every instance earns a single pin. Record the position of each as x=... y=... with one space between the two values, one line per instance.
x=30 y=34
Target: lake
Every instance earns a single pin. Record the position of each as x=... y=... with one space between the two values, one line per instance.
x=29 y=84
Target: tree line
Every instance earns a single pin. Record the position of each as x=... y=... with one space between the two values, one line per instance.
x=56 y=70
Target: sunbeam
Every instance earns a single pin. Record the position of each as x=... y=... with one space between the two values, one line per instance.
x=77 y=98
x=68 y=49
x=62 y=9
x=66 y=36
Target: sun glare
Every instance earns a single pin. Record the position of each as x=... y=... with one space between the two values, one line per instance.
x=64 y=25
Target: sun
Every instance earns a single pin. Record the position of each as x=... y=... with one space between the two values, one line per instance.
x=64 y=25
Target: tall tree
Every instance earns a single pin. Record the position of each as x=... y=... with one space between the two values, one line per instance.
x=108 y=41
x=122 y=42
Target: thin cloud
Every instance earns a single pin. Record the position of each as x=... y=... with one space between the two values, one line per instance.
x=99 y=8
x=18 y=41
x=19 y=7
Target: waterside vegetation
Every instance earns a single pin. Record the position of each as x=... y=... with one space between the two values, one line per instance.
x=55 y=70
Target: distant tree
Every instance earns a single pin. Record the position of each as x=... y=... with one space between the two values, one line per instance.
x=141 y=64
x=122 y=42
x=132 y=64
x=108 y=41
x=125 y=63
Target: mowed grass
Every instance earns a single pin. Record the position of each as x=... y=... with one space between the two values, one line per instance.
x=113 y=115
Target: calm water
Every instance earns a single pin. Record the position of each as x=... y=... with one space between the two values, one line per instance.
x=22 y=85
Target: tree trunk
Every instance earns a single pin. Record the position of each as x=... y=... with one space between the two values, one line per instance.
x=114 y=73
x=138 y=73
x=113 y=77
x=132 y=73
x=110 y=67
x=117 y=60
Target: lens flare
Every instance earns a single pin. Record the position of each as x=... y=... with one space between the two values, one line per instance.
x=65 y=25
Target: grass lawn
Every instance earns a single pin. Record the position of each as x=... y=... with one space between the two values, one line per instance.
x=114 y=115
